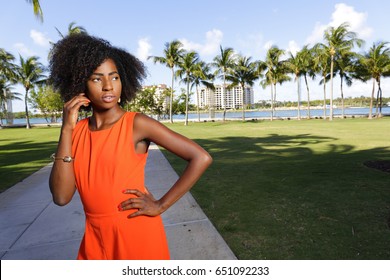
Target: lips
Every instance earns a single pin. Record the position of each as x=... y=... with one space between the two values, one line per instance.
x=108 y=98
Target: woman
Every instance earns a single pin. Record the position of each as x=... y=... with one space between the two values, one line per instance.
x=104 y=156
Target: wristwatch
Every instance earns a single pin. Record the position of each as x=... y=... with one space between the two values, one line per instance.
x=64 y=159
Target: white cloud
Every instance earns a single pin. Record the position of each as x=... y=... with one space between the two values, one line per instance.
x=292 y=47
x=268 y=45
x=210 y=47
x=23 y=50
x=342 y=13
x=357 y=21
x=143 y=50
x=39 y=38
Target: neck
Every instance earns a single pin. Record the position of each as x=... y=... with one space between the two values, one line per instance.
x=104 y=119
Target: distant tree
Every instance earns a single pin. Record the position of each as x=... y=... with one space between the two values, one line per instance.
x=73 y=29
x=295 y=66
x=172 y=54
x=202 y=76
x=275 y=73
x=321 y=66
x=223 y=63
x=345 y=67
x=188 y=66
x=47 y=101
x=6 y=94
x=339 y=41
x=7 y=66
x=375 y=64
x=243 y=74
x=29 y=74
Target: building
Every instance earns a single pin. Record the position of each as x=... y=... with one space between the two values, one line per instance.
x=231 y=99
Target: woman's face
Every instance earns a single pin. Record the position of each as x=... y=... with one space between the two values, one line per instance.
x=104 y=86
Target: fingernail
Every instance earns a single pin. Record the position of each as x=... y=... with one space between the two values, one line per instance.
x=120 y=207
x=124 y=191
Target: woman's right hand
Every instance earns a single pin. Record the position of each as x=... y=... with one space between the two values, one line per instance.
x=71 y=111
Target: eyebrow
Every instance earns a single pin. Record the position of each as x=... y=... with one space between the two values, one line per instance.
x=109 y=74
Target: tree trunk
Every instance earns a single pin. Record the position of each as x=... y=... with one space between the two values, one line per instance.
x=331 y=89
x=171 y=97
x=342 y=98
x=188 y=90
x=274 y=98
x=308 y=98
x=299 y=96
x=372 y=98
x=197 y=102
x=224 y=97
x=243 y=101
x=380 y=98
x=272 y=102
x=324 y=99
x=28 y=126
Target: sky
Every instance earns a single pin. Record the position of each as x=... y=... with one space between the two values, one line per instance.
x=250 y=27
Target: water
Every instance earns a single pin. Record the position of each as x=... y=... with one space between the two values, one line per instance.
x=266 y=114
x=261 y=114
x=32 y=121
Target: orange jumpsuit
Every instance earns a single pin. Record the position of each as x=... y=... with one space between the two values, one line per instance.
x=106 y=163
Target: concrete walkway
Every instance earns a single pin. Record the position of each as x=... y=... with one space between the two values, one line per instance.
x=32 y=227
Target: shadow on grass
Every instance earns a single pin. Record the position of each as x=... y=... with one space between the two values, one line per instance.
x=296 y=197
x=21 y=158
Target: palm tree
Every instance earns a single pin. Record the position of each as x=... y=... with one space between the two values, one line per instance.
x=73 y=29
x=7 y=67
x=37 y=9
x=29 y=73
x=375 y=64
x=202 y=76
x=321 y=65
x=188 y=65
x=244 y=73
x=223 y=63
x=7 y=77
x=339 y=40
x=6 y=95
x=307 y=57
x=345 y=67
x=295 y=66
x=172 y=53
x=276 y=72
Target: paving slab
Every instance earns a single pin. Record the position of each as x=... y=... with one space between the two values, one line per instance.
x=34 y=228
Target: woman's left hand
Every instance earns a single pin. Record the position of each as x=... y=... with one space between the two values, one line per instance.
x=146 y=204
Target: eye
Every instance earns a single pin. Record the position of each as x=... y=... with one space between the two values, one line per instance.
x=115 y=78
x=95 y=79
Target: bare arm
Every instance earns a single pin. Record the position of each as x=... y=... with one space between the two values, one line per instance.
x=62 y=181
x=198 y=161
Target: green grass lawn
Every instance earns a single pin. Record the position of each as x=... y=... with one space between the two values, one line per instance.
x=296 y=189
x=276 y=190
x=23 y=152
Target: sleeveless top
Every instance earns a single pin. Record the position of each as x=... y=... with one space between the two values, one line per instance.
x=105 y=164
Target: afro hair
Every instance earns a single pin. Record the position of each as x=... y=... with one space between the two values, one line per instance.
x=74 y=59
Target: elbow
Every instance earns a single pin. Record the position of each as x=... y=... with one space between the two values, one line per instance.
x=60 y=198
x=207 y=159
x=60 y=201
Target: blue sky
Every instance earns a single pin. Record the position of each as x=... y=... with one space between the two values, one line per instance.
x=247 y=26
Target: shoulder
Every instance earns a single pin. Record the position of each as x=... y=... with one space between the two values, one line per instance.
x=144 y=123
x=82 y=123
x=148 y=128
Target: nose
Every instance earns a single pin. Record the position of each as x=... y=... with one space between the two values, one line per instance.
x=107 y=84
